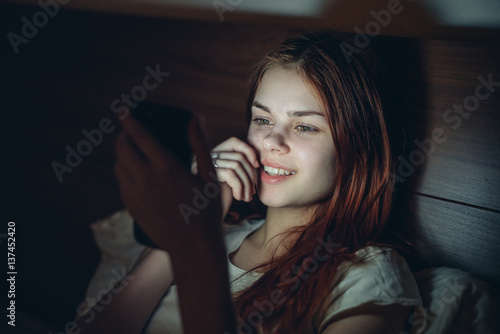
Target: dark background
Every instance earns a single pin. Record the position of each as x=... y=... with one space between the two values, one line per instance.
x=65 y=79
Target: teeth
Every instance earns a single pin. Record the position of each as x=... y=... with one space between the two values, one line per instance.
x=277 y=171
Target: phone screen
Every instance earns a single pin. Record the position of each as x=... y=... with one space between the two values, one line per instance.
x=169 y=126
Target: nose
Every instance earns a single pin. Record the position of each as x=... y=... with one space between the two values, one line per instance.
x=275 y=141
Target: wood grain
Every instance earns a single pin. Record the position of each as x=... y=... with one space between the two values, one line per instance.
x=66 y=78
x=466 y=166
x=459 y=236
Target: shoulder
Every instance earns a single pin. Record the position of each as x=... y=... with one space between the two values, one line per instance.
x=382 y=266
x=378 y=268
x=377 y=276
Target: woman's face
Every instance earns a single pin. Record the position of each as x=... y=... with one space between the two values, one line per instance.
x=290 y=134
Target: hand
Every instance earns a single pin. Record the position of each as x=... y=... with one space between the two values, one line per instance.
x=160 y=192
x=236 y=171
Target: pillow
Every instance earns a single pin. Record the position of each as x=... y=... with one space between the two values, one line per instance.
x=455 y=302
x=114 y=237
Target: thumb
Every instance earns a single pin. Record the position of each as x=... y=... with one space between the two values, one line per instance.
x=199 y=143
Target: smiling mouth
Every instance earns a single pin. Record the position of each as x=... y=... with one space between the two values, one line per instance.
x=277 y=171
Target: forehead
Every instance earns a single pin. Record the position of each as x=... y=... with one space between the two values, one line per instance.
x=285 y=89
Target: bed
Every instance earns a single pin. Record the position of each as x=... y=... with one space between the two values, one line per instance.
x=67 y=79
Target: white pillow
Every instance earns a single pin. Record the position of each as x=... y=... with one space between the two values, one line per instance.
x=114 y=237
x=457 y=303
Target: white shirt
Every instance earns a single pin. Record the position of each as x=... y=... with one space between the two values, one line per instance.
x=383 y=278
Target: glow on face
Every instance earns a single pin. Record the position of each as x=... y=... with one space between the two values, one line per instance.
x=289 y=132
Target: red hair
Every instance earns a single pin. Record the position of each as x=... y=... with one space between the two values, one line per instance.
x=356 y=213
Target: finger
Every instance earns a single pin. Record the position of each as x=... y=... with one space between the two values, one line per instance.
x=256 y=175
x=230 y=177
x=198 y=141
x=123 y=174
x=194 y=166
x=239 y=157
x=237 y=145
x=239 y=172
x=250 y=154
x=127 y=154
x=125 y=182
x=144 y=141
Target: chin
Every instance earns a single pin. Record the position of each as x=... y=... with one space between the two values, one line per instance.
x=273 y=203
x=272 y=200
x=277 y=201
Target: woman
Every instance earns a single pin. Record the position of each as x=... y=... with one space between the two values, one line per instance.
x=318 y=157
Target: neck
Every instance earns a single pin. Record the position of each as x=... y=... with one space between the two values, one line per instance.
x=279 y=220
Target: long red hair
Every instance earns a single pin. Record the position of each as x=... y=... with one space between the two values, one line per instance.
x=356 y=213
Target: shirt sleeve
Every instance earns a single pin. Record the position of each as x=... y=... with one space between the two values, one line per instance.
x=381 y=277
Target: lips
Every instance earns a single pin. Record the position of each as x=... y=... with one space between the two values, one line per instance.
x=277 y=171
x=276 y=166
x=273 y=173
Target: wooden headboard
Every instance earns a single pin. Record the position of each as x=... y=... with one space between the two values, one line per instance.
x=65 y=80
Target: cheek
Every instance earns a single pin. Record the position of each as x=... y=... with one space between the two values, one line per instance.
x=254 y=138
x=329 y=174
x=320 y=163
x=313 y=156
x=330 y=162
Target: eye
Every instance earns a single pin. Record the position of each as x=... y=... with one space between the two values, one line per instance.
x=306 y=128
x=261 y=121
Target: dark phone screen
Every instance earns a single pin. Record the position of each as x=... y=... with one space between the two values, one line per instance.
x=169 y=126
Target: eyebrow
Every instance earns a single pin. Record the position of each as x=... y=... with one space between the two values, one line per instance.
x=301 y=113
